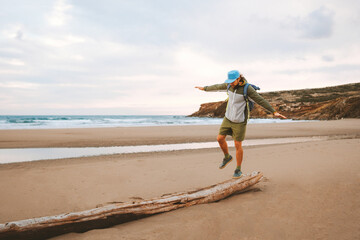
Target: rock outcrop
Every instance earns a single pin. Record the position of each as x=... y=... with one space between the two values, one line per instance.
x=309 y=104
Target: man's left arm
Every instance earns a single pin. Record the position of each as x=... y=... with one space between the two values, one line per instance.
x=262 y=102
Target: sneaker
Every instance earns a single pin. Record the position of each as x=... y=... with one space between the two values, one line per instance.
x=225 y=162
x=237 y=173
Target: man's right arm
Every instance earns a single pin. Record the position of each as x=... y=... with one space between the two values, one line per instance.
x=216 y=87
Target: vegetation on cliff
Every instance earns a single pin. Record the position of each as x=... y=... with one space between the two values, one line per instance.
x=327 y=103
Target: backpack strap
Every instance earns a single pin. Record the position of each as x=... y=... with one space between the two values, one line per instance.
x=245 y=91
x=227 y=91
x=228 y=87
x=255 y=87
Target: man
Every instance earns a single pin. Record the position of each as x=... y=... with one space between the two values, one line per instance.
x=236 y=115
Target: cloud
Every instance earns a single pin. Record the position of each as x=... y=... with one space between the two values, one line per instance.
x=19 y=85
x=14 y=62
x=136 y=57
x=13 y=31
x=61 y=41
x=59 y=14
x=327 y=58
x=197 y=63
x=317 y=24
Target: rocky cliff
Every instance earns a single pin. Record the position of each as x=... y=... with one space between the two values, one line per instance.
x=319 y=103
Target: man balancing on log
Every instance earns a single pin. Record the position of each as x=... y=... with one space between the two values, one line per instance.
x=240 y=102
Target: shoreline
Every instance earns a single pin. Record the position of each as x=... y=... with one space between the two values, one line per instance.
x=18 y=155
x=132 y=136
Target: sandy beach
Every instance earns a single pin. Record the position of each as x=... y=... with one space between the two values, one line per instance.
x=310 y=190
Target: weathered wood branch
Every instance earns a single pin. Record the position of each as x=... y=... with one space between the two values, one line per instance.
x=112 y=214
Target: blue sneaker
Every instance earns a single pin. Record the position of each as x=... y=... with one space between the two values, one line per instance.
x=225 y=162
x=237 y=173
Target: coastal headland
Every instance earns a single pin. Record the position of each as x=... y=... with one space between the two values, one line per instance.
x=328 y=103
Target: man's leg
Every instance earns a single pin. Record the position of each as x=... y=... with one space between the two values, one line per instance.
x=223 y=144
x=239 y=153
x=239 y=158
x=224 y=147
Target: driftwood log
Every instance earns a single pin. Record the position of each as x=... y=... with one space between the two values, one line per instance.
x=112 y=214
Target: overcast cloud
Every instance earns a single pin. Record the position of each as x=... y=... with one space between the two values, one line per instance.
x=145 y=57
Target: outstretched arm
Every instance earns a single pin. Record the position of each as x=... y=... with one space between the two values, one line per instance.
x=262 y=102
x=213 y=88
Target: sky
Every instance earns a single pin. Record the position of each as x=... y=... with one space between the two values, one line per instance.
x=131 y=57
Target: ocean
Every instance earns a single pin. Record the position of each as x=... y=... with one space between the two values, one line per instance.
x=93 y=121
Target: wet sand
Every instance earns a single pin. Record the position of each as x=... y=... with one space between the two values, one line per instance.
x=127 y=136
x=310 y=191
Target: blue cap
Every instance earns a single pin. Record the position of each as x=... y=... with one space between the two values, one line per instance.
x=232 y=76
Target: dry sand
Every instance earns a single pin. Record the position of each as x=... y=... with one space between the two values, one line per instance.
x=310 y=191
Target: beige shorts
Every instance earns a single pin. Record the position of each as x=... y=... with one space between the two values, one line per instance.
x=236 y=130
